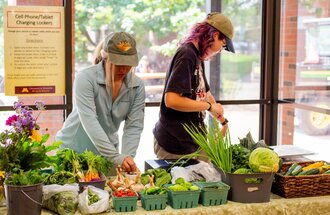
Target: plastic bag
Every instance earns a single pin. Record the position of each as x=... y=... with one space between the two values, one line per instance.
x=97 y=207
x=62 y=199
x=196 y=172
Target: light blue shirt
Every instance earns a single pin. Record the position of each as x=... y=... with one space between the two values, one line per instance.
x=94 y=121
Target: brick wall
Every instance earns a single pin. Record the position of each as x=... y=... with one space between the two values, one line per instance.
x=287 y=75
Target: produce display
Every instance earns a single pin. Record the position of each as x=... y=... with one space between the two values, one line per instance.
x=64 y=172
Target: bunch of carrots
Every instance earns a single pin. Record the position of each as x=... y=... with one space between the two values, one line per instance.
x=92 y=174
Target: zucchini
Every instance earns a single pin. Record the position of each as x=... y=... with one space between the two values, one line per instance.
x=312 y=171
x=291 y=168
x=327 y=172
x=297 y=170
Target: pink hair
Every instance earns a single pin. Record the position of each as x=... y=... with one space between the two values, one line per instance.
x=203 y=34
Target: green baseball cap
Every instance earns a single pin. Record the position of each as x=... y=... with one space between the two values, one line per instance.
x=121 y=49
x=224 y=25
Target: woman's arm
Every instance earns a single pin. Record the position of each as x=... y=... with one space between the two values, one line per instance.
x=184 y=104
x=134 y=122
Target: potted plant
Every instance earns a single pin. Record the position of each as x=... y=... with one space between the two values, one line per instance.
x=23 y=153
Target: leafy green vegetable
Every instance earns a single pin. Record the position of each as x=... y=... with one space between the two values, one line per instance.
x=240 y=157
x=63 y=203
x=250 y=144
x=154 y=190
x=68 y=160
x=247 y=141
x=89 y=160
x=161 y=176
x=264 y=160
x=25 y=178
x=211 y=141
x=61 y=178
x=92 y=197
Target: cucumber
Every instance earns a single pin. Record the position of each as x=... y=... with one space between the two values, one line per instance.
x=291 y=168
x=312 y=171
x=297 y=170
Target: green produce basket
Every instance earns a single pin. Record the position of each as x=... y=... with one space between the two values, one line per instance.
x=153 y=202
x=213 y=193
x=124 y=204
x=182 y=199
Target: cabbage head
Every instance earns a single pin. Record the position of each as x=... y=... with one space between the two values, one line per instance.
x=264 y=160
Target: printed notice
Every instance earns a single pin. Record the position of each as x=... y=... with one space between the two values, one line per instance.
x=34 y=50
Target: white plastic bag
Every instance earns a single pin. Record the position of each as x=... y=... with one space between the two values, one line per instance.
x=196 y=172
x=97 y=207
x=62 y=199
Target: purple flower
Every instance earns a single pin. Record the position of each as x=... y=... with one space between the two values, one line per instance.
x=18 y=105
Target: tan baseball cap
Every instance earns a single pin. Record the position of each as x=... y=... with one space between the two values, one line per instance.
x=224 y=25
x=121 y=49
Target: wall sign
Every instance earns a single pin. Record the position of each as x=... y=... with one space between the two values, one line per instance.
x=34 y=50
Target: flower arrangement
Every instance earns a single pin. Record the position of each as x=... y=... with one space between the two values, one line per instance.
x=22 y=148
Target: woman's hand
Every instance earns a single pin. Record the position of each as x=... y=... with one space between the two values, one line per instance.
x=216 y=110
x=129 y=165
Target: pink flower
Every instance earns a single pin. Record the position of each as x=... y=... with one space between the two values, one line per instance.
x=11 y=119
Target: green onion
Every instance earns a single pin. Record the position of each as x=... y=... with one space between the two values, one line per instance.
x=212 y=142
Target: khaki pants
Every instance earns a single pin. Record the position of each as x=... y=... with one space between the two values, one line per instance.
x=161 y=153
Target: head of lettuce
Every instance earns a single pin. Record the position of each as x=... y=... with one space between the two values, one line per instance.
x=264 y=160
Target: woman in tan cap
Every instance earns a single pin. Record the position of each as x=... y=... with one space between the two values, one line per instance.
x=187 y=96
x=106 y=94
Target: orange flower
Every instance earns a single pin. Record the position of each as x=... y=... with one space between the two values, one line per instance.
x=124 y=46
x=36 y=136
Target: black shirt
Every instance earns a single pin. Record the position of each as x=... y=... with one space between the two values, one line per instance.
x=185 y=76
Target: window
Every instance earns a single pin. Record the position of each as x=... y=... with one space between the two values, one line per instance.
x=304 y=76
x=299 y=108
